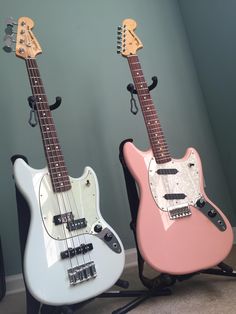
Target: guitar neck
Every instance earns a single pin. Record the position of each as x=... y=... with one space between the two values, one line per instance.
x=155 y=133
x=55 y=160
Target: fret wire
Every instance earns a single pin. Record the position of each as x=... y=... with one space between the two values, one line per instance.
x=154 y=129
x=48 y=131
x=61 y=173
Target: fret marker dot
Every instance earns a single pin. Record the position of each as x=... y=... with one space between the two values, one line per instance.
x=56 y=165
x=48 y=148
x=36 y=82
x=61 y=183
x=148 y=108
x=59 y=174
x=40 y=98
x=144 y=97
x=56 y=147
x=137 y=73
x=47 y=128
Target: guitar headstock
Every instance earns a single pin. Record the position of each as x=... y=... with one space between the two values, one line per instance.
x=127 y=42
x=26 y=44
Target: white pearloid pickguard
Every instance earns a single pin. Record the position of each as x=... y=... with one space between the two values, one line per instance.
x=80 y=200
x=186 y=181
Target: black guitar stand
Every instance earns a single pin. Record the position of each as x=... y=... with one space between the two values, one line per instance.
x=34 y=306
x=132 y=90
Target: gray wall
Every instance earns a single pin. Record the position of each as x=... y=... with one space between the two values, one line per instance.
x=79 y=63
x=211 y=29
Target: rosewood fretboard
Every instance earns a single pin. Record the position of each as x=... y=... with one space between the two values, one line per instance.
x=55 y=160
x=155 y=133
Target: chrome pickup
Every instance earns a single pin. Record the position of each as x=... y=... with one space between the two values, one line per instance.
x=179 y=211
x=81 y=273
x=82 y=249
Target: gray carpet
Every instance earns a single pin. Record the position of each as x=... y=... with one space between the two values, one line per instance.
x=200 y=294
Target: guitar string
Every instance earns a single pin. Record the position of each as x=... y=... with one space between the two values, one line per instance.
x=138 y=80
x=169 y=183
x=75 y=233
x=79 y=232
x=165 y=180
x=33 y=67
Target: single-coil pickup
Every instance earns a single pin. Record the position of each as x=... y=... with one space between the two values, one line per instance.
x=81 y=273
x=179 y=212
x=167 y=171
x=175 y=196
x=76 y=224
x=63 y=218
x=82 y=249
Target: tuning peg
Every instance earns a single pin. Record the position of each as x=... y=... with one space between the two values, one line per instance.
x=119 y=37
x=118 y=49
x=10 y=21
x=9 y=30
x=8 y=40
x=119 y=28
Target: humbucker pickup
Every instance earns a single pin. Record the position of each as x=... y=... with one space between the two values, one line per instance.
x=63 y=218
x=81 y=273
x=82 y=249
x=76 y=224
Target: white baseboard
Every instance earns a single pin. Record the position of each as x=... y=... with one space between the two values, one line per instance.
x=131 y=257
x=234 y=231
x=15 y=283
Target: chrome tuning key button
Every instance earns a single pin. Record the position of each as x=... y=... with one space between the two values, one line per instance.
x=10 y=21
x=8 y=40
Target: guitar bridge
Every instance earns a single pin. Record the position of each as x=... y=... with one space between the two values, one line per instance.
x=179 y=211
x=81 y=273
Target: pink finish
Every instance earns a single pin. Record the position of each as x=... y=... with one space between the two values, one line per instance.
x=178 y=246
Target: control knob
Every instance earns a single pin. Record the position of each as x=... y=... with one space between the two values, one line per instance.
x=98 y=228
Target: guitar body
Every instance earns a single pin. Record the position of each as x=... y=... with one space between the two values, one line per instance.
x=46 y=273
x=169 y=242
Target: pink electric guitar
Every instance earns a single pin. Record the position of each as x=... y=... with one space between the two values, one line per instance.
x=179 y=230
